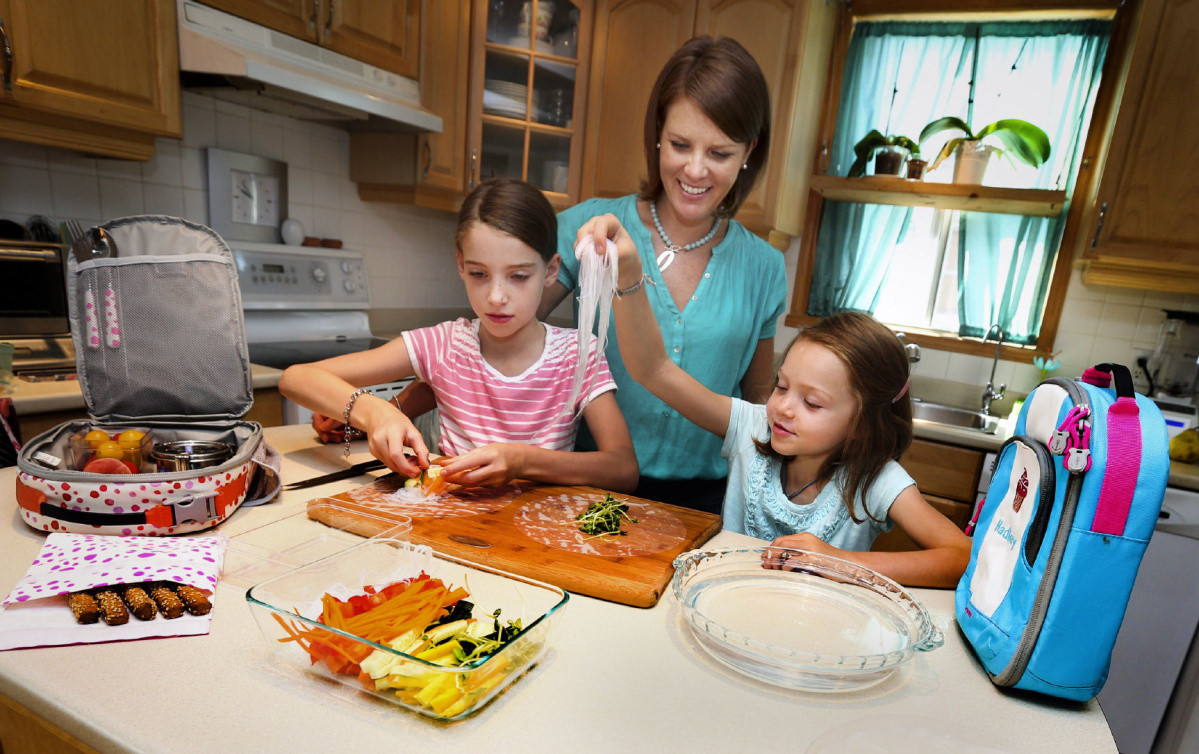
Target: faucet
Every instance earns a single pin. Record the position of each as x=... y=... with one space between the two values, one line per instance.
x=990 y=394
x=911 y=349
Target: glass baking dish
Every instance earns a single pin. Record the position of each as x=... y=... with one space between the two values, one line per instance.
x=800 y=619
x=289 y=604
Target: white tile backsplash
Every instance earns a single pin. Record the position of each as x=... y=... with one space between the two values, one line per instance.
x=410 y=248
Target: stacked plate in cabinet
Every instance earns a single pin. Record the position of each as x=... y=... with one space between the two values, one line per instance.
x=506 y=98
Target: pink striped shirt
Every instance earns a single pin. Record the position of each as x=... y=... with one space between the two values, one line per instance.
x=478 y=405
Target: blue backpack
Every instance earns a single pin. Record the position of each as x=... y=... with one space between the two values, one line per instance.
x=1073 y=500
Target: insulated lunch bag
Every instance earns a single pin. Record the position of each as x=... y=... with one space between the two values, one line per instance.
x=1072 y=503
x=160 y=348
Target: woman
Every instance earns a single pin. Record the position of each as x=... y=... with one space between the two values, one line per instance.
x=716 y=289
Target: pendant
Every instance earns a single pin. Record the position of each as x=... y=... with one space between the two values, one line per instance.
x=666 y=258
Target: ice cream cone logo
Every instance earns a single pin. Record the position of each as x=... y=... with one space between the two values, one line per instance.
x=1021 y=490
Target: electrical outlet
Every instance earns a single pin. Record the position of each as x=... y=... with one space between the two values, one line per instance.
x=1140 y=380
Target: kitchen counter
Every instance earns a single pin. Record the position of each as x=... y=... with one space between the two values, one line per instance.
x=65 y=395
x=614 y=678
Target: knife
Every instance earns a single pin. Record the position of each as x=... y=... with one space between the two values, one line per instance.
x=356 y=470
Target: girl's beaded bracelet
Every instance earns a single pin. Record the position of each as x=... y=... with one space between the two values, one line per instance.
x=351 y=432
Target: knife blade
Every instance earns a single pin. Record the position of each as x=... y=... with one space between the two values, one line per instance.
x=357 y=469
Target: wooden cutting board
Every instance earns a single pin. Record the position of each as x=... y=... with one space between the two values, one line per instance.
x=530 y=529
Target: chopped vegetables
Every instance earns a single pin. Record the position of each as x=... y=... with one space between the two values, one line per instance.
x=430 y=624
x=430 y=480
x=604 y=517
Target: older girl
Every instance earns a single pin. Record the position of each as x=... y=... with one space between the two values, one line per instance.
x=501 y=381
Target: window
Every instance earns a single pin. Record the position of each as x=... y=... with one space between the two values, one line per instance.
x=939 y=270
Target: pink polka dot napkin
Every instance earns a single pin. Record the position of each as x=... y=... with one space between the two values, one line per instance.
x=35 y=613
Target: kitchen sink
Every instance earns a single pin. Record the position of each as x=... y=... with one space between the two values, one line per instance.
x=952 y=416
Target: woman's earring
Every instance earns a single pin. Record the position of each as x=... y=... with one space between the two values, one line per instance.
x=658 y=145
x=745 y=166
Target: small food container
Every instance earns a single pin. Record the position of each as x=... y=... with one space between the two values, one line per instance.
x=187 y=455
x=800 y=619
x=289 y=605
x=129 y=444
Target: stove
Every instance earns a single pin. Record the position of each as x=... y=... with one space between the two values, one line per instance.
x=305 y=304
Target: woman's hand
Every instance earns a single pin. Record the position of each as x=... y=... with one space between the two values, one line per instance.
x=606 y=228
x=328 y=430
x=490 y=465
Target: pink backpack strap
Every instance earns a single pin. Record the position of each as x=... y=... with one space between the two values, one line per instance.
x=1123 y=455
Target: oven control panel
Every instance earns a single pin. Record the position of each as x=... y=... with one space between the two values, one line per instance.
x=292 y=277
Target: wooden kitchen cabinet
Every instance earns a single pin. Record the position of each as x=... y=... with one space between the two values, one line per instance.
x=383 y=34
x=947 y=476
x=76 y=78
x=1144 y=222
x=790 y=40
x=508 y=79
x=23 y=732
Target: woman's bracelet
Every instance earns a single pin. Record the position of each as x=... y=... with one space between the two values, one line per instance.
x=622 y=292
x=351 y=432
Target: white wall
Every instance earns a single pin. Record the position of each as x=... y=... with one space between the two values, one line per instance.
x=409 y=251
x=1099 y=324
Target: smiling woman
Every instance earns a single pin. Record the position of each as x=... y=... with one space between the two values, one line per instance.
x=716 y=289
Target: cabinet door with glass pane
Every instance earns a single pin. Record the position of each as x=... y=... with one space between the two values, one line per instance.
x=528 y=74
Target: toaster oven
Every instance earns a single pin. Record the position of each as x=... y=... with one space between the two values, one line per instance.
x=33 y=306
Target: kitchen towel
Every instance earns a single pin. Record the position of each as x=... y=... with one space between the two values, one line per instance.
x=35 y=613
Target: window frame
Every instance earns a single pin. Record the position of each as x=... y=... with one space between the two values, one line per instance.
x=1115 y=69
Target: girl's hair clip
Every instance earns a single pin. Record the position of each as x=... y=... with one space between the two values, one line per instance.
x=902 y=391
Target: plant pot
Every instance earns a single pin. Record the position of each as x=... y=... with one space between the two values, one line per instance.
x=915 y=169
x=889 y=160
x=970 y=162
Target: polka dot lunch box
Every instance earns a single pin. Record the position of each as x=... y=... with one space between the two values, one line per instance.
x=162 y=362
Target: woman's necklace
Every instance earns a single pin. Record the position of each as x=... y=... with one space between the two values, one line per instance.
x=793 y=495
x=666 y=258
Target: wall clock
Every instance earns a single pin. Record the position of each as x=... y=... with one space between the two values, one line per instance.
x=247 y=196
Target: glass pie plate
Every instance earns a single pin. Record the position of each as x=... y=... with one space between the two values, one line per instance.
x=800 y=619
x=290 y=603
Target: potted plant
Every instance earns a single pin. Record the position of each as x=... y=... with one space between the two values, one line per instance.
x=1019 y=138
x=888 y=152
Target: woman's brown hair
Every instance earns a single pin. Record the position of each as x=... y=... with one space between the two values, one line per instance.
x=878 y=368
x=725 y=82
x=513 y=207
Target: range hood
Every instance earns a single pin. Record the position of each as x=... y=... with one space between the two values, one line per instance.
x=241 y=61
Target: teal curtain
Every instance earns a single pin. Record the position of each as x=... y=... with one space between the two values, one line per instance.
x=884 y=86
x=898 y=77
x=1005 y=262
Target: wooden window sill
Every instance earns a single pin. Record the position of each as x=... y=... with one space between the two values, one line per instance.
x=974 y=198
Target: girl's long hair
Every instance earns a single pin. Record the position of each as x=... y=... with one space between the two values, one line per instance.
x=881 y=430
x=513 y=207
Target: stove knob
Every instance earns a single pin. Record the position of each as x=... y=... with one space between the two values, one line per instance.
x=345 y=267
x=349 y=286
x=319 y=274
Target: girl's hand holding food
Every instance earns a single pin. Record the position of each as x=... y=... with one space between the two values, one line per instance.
x=389 y=432
x=489 y=465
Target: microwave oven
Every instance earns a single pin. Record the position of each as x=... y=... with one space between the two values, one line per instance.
x=33 y=305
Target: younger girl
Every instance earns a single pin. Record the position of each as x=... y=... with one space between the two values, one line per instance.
x=501 y=381
x=832 y=428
